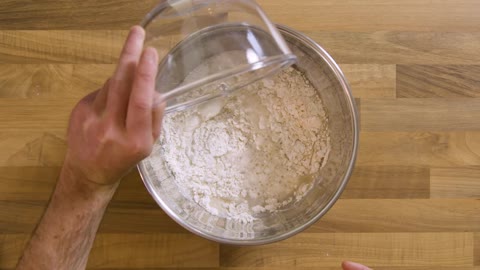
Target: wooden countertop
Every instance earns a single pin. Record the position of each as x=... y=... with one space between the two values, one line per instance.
x=413 y=202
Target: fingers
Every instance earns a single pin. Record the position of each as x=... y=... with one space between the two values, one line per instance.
x=353 y=266
x=90 y=98
x=157 y=116
x=140 y=113
x=101 y=99
x=122 y=79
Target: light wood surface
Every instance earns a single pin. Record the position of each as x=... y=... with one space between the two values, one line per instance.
x=413 y=202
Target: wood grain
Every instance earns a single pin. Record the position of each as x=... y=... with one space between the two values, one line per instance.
x=103 y=46
x=421 y=114
x=67 y=14
x=377 y=249
x=476 y=250
x=419 y=149
x=11 y=246
x=27 y=183
x=36 y=184
x=455 y=182
x=52 y=81
x=349 y=215
x=392 y=182
x=437 y=267
x=304 y=15
x=414 y=149
x=375 y=15
x=22 y=217
x=89 y=77
x=26 y=148
x=76 y=46
x=411 y=204
x=138 y=251
x=57 y=81
x=297 y=268
x=394 y=47
x=307 y=268
x=311 y=268
x=367 y=182
x=371 y=81
x=32 y=81
x=401 y=215
x=153 y=250
x=29 y=115
x=422 y=81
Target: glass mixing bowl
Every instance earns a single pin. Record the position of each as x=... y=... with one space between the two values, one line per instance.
x=327 y=78
x=187 y=32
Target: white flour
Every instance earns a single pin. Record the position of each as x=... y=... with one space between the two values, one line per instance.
x=255 y=151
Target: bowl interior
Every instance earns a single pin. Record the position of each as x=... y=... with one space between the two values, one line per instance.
x=327 y=78
x=186 y=33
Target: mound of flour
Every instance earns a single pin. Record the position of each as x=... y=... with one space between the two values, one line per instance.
x=255 y=151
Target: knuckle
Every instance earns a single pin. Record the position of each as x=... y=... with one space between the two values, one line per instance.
x=140 y=148
x=145 y=74
x=107 y=133
x=141 y=105
x=114 y=83
x=80 y=109
x=129 y=53
x=86 y=100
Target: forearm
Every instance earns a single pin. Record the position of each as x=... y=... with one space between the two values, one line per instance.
x=65 y=234
x=110 y=131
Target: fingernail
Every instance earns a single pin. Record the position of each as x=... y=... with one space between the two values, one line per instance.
x=136 y=31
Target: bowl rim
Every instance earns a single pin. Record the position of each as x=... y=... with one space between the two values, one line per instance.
x=279 y=60
x=355 y=127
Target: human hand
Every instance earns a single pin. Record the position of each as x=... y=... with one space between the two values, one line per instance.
x=353 y=266
x=115 y=127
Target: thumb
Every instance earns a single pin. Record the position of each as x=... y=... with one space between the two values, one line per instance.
x=353 y=266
